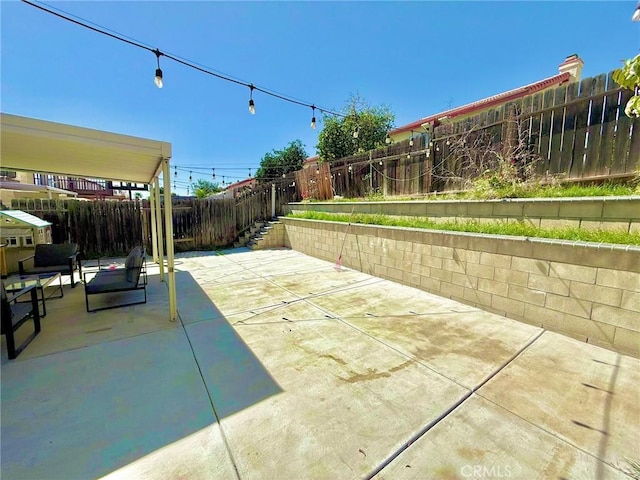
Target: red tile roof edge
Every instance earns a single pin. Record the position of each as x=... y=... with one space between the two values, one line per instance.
x=487 y=102
x=241 y=182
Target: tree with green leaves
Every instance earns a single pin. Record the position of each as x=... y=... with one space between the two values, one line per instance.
x=203 y=188
x=338 y=138
x=629 y=77
x=276 y=163
x=161 y=189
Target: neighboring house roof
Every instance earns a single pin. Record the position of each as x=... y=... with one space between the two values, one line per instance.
x=488 y=102
x=29 y=187
x=241 y=183
x=22 y=218
x=311 y=160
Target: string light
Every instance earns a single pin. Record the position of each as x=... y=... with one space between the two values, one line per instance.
x=387 y=139
x=411 y=139
x=252 y=106
x=190 y=177
x=213 y=173
x=187 y=63
x=356 y=132
x=175 y=171
x=158 y=79
x=313 y=117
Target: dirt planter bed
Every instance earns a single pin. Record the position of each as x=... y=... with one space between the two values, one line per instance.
x=585 y=290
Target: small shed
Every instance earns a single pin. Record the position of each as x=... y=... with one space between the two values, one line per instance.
x=19 y=229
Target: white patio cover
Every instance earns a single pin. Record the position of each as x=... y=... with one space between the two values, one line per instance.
x=29 y=144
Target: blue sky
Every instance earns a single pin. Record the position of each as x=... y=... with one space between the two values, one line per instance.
x=418 y=58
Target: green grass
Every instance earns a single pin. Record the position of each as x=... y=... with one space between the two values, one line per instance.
x=498 y=228
x=518 y=191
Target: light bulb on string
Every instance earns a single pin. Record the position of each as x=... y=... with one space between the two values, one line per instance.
x=158 y=78
x=213 y=173
x=411 y=139
x=313 y=117
x=190 y=177
x=356 y=132
x=380 y=163
x=387 y=139
x=252 y=106
x=175 y=171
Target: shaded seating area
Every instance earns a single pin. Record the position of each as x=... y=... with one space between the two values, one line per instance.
x=15 y=314
x=50 y=258
x=131 y=277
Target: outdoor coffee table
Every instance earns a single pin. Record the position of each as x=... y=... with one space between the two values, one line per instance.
x=16 y=283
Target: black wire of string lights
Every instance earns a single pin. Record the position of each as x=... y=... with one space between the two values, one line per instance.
x=159 y=81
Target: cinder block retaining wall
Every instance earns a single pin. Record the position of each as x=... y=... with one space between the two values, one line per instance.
x=620 y=213
x=587 y=291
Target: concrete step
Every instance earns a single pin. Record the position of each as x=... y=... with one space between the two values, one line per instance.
x=253 y=238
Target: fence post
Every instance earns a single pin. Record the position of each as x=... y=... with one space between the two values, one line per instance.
x=273 y=200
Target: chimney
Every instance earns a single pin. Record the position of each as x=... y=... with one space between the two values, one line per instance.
x=572 y=64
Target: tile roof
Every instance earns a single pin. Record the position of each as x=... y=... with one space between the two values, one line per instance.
x=487 y=102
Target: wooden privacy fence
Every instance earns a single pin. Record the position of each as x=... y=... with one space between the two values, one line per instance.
x=101 y=228
x=209 y=223
x=113 y=228
x=577 y=131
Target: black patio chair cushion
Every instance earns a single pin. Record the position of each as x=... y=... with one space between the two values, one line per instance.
x=119 y=280
x=15 y=314
x=54 y=255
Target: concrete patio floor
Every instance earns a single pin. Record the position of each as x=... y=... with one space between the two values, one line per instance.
x=281 y=367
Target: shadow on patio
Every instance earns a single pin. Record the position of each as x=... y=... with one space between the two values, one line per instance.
x=283 y=367
x=95 y=392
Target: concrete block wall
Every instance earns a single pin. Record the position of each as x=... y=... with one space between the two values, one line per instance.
x=587 y=291
x=619 y=213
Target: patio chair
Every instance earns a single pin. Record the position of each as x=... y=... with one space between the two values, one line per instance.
x=15 y=314
x=130 y=278
x=56 y=257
